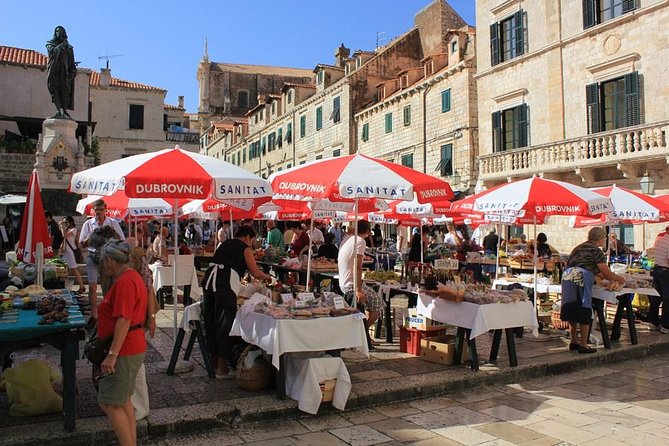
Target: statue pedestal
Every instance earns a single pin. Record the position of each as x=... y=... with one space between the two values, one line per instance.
x=59 y=155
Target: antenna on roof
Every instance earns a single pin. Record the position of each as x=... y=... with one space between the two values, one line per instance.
x=107 y=57
x=379 y=39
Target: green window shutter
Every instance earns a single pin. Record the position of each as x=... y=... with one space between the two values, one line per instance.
x=303 y=126
x=389 y=122
x=522 y=125
x=264 y=145
x=446 y=162
x=632 y=106
x=446 y=101
x=365 y=132
x=336 y=114
x=519 y=24
x=289 y=133
x=243 y=155
x=629 y=5
x=494 y=44
x=407 y=115
x=497 y=132
x=319 y=118
x=593 y=108
x=279 y=137
x=589 y=13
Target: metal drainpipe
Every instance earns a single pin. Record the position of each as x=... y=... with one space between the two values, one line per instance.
x=425 y=92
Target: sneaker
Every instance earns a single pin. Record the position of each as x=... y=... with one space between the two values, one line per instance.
x=664 y=330
x=226 y=376
x=573 y=347
x=586 y=350
x=653 y=327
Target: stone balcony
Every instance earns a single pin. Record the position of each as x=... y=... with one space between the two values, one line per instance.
x=630 y=151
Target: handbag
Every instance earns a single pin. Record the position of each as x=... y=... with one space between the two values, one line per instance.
x=78 y=256
x=97 y=349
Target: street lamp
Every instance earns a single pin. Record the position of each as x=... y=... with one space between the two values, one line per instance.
x=647 y=184
x=455 y=178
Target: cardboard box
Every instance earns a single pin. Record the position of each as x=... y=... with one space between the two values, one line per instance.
x=441 y=349
x=419 y=322
x=327 y=389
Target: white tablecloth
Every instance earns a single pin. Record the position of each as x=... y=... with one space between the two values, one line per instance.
x=186 y=275
x=541 y=287
x=279 y=336
x=303 y=376
x=479 y=318
x=612 y=296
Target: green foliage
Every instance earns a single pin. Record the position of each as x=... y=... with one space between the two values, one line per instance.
x=26 y=146
x=93 y=150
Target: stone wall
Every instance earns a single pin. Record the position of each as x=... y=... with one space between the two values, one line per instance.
x=15 y=169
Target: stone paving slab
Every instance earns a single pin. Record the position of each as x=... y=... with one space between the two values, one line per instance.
x=191 y=402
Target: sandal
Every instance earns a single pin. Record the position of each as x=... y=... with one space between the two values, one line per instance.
x=573 y=346
x=586 y=350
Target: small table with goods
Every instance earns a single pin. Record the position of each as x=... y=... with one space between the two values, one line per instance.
x=281 y=329
x=482 y=310
x=163 y=277
x=59 y=323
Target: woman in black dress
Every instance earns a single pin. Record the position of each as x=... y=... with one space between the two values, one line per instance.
x=221 y=284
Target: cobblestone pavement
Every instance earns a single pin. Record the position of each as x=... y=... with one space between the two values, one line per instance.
x=618 y=404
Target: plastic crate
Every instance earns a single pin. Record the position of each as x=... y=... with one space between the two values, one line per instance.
x=410 y=338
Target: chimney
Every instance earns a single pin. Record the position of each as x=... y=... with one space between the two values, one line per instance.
x=180 y=101
x=341 y=55
x=105 y=77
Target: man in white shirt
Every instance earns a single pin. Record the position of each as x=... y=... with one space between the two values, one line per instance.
x=316 y=236
x=90 y=225
x=366 y=298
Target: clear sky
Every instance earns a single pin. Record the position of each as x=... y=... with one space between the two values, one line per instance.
x=160 y=42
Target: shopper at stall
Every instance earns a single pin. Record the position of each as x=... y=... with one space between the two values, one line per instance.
x=300 y=242
x=328 y=249
x=585 y=262
x=159 y=246
x=336 y=231
x=121 y=315
x=288 y=235
x=274 y=235
x=661 y=282
x=454 y=237
x=366 y=298
x=544 y=250
x=616 y=247
x=221 y=284
x=54 y=232
x=86 y=236
x=69 y=247
x=418 y=244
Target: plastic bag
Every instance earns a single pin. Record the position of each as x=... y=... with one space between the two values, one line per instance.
x=55 y=375
x=249 y=361
x=29 y=390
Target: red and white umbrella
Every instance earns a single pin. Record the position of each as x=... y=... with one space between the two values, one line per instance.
x=34 y=229
x=171 y=174
x=119 y=205
x=359 y=176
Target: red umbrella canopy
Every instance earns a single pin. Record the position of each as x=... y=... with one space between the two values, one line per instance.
x=33 y=226
x=359 y=176
x=536 y=197
x=171 y=174
x=630 y=207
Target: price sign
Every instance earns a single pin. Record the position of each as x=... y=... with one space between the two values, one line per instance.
x=451 y=264
x=339 y=302
x=305 y=297
x=286 y=297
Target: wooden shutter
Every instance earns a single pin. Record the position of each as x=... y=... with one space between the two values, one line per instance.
x=589 y=13
x=497 y=132
x=593 y=108
x=522 y=125
x=629 y=5
x=365 y=132
x=494 y=44
x=518 y=23
x=446 y=163
x=632 y=107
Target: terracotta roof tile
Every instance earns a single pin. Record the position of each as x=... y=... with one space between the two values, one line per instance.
x=120 y=83
x=261 y=69
x=22 y=56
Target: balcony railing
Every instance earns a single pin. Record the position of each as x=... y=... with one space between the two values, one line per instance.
x=639 y=143
x=187 y=137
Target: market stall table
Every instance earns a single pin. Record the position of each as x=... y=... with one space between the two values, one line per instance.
x=163 y=276
x=280 y=336
x=25 y=331
x=387 y=292
x=473 y=320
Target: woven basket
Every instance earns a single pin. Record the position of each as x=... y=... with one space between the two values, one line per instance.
x=557 y=322
x=256 y=378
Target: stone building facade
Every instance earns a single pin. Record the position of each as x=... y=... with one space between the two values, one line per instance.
x=321 y=119
x=574 y=90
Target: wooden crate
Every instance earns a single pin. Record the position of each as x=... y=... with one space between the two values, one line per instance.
x=327 y=389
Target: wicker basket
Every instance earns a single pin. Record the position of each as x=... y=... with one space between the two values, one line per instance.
x=557 y=322
x=256 y=378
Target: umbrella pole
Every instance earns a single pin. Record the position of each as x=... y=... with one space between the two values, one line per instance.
x=311 y=234
x=355 y=257
x=420 y=232
x=175 y=232
x=536 y=304
x=499 y=239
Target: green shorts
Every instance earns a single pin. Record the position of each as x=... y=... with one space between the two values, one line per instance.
x=117 y=388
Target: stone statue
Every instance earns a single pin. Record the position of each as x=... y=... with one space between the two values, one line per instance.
x=61 y=71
